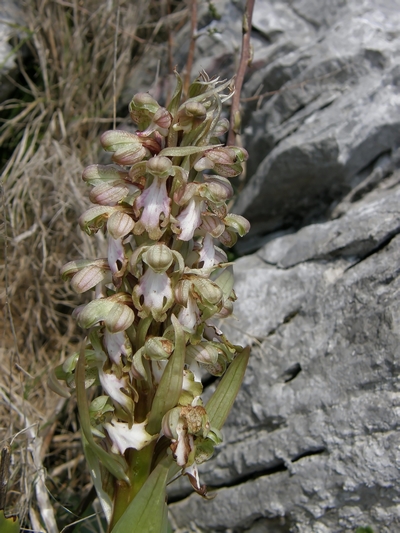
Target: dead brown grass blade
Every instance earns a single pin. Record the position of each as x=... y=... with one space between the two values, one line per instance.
x=48 y=131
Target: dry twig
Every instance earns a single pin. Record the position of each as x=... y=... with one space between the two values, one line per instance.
x=245 y=59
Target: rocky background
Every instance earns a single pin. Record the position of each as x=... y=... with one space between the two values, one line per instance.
x=312 y=445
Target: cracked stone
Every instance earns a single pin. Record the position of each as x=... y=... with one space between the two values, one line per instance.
x=319 y=452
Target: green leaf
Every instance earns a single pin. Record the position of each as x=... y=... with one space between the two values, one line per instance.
x=221 y=402
x=115 y=464
x=181 y=151
x=170 y=387
x=95 y=472
x=147 y=513
x=9 y=525
x=55 y=386
x=225 y=281
x=176 y=97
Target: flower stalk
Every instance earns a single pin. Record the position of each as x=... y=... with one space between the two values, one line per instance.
x=162 y=205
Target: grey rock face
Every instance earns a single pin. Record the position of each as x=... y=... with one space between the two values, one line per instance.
x=337 y=110
x=312 y=444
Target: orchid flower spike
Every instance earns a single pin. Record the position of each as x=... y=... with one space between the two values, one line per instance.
x=163 y=205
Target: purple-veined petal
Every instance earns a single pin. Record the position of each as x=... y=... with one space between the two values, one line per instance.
x=108 y=193
x=116 y=255
x=127 y=147
x=189 y=316
x=117 y=345
x=155 y=288
x=190 y=219
x=119 y=224
x=207 y=252
x=155 y=202
x=213 y=225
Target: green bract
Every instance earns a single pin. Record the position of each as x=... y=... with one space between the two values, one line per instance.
x=161 y=204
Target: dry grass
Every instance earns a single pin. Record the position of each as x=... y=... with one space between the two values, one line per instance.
x=63 y=99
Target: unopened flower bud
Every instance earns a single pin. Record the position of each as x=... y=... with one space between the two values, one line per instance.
x=162 y=120
x=171 y=420
x=116 y=315
x=190 y=116
x=119 y=224
x=158 y=348
x=204 y=352
x=97 y=174
x=222 y=127
x=142 y=108
x=159 y=166
x=159 y=257
x=237 y=223
x=126 y=146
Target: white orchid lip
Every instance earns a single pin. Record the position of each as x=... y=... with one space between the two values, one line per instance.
x=117 y=345
x=155 y=291
x=190 y=219
x=124 y=436
x=156 y=206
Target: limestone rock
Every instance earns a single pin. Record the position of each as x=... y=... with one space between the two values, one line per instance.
x=312 y=444
x=336 y=113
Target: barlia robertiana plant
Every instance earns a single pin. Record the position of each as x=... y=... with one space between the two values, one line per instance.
x=162 y=204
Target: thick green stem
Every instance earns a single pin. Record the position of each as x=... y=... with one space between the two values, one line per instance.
x=139 y=470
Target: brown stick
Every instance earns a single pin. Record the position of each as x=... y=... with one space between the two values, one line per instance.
x=192 y=47
x=245 y=59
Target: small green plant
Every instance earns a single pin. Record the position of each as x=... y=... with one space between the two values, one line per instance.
x=150 y=332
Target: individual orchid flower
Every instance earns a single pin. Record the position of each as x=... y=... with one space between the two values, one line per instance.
x=115 y=312
x=209 y=254
x=190 y=116
x=225 y=161
x=156 y=292
x=126 y=147
x=153 y=295
x=85 y=274
x=200 y=298
x=212 y=193
x=154 y=200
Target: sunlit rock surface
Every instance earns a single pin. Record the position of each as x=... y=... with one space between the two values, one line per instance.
x=312 y=445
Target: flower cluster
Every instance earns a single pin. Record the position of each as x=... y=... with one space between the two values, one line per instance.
x=162 y=205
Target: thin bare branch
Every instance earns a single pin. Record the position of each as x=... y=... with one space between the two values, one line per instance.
x=245 y=60
x=192 y=47
x=115 y=69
